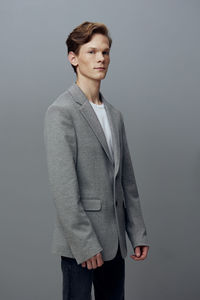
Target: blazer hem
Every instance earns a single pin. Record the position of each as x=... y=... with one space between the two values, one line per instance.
x=63 y=252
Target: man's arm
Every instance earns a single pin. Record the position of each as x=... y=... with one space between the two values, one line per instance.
x=135 y=225
x=60 y=143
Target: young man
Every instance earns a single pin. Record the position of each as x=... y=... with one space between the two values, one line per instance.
x=92 y=177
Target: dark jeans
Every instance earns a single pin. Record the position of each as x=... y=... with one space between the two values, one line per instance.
x=108 y=280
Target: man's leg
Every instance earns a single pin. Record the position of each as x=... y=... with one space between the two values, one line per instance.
x=77 y=280
x=109 y=279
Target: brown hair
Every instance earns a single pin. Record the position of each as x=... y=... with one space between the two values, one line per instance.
x=83 y=34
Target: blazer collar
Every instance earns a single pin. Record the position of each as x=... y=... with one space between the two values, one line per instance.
x=89 y=114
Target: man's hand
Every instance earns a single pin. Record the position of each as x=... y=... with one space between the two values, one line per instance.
x=93 y=262
x=140 y=252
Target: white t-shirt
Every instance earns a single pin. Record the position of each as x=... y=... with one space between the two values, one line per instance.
x=102 y=116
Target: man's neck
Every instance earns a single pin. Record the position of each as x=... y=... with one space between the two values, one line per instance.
x=90 y=90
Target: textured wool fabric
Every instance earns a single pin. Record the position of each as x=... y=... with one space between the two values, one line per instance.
x=96 y=198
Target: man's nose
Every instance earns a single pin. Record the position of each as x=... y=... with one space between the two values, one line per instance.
x=100 y=56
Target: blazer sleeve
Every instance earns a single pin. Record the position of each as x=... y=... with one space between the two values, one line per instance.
x=60 y=144
x=135 y=226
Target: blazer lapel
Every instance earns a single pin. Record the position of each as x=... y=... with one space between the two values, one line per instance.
x=89 y=114
x=114 y=130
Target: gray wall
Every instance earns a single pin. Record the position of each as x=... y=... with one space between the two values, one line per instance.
x=155 y=59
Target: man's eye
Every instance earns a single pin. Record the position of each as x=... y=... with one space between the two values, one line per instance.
x=105 y=52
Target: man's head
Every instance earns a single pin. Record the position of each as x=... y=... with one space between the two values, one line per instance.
x=89 y=48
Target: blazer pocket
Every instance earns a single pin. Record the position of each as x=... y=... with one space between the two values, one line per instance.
x=91 y=204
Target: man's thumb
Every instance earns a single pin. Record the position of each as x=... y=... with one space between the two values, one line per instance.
x=137 y=252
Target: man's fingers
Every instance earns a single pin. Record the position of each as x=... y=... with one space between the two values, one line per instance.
x=137 y=252
x=135 y=257
x=99 y=260
x=93 y=262
x=143 y=252
x=89 y=264
x=83 y=264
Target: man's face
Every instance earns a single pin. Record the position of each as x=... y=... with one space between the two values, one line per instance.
x=93 y=55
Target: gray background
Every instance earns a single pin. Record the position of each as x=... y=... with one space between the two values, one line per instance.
x=155 y=60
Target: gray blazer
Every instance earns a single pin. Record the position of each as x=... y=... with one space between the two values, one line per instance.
x=96 y=198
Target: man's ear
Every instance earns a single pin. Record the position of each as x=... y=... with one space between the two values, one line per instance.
x=72 y=58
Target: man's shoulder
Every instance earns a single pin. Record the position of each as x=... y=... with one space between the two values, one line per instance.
x=63 y=102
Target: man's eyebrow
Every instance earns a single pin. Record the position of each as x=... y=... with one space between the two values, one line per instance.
x=96 y=48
